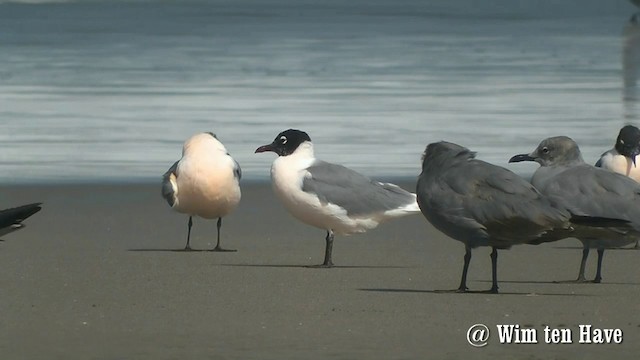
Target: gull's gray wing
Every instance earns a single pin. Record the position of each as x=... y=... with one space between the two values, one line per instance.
x=168 y=191
x=237 y=171
x=589 y=191
x=352 y=191
x=484 y=204
x=599 y=162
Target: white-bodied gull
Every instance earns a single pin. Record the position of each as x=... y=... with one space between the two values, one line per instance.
x=205 y=182
x=329 y=196
x=625 y=155
x=587 y=190
x=623 y=158
x=11 y=219
x=481 y=204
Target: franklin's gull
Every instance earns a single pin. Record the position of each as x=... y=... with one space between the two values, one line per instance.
x=624 y=155
x=329 y=196
x=205 y=182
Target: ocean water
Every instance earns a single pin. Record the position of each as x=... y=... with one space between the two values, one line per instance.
x=109 y=90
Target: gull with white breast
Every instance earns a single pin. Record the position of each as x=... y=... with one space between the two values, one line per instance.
x=623 y=158
x=329 y=196
x=205 y=182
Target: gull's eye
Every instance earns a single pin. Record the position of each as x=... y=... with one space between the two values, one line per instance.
x=621 y=142
x=283 y=140
x=545 y=150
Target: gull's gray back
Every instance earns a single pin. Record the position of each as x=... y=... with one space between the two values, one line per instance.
x=590 y=191
x=354 y=192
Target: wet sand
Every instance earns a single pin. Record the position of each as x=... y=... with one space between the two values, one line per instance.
x=94 y=275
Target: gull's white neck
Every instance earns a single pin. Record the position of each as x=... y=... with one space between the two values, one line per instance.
x=304 y=150
x=289 y=170
x=301 y=158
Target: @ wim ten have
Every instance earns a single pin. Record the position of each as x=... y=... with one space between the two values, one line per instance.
x=586 y=334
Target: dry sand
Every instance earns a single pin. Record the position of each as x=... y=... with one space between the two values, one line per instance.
x=94 y=276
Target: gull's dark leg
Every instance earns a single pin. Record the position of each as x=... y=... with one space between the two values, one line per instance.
x=328 y=249
x=494 y=271
x=465 y=268
x=598 y=277
x=189 y=224
x=583 y=264
x=218 y=248
x=327 y=252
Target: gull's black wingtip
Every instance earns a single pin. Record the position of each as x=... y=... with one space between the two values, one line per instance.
x=19 y=213
x=599 y=221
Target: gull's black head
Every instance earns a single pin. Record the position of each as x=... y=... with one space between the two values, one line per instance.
x=628 y=142
x=286 y=142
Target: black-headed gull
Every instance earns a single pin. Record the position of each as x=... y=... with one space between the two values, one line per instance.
x=624 y=156
x=329 y=196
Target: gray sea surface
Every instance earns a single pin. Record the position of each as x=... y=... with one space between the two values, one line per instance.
x=109 y=90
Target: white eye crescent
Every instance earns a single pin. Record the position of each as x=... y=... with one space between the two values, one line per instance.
x=621 y=142
x=283 y=139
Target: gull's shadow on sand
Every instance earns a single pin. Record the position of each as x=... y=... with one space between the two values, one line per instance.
x=522 y=281
x=274 y=265
x=172 y=250
x=472 y=292
x=603 y=283
x=561 y=282
x=312 y=267
x=593 y=249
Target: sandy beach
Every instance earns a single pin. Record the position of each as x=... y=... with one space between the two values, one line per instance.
x=95 y=275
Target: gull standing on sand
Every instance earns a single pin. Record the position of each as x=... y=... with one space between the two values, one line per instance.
x=588 y=191
x=623 y=158
x=329 y=196
x=205 y=182
x=11 y=219
x=480 y=204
